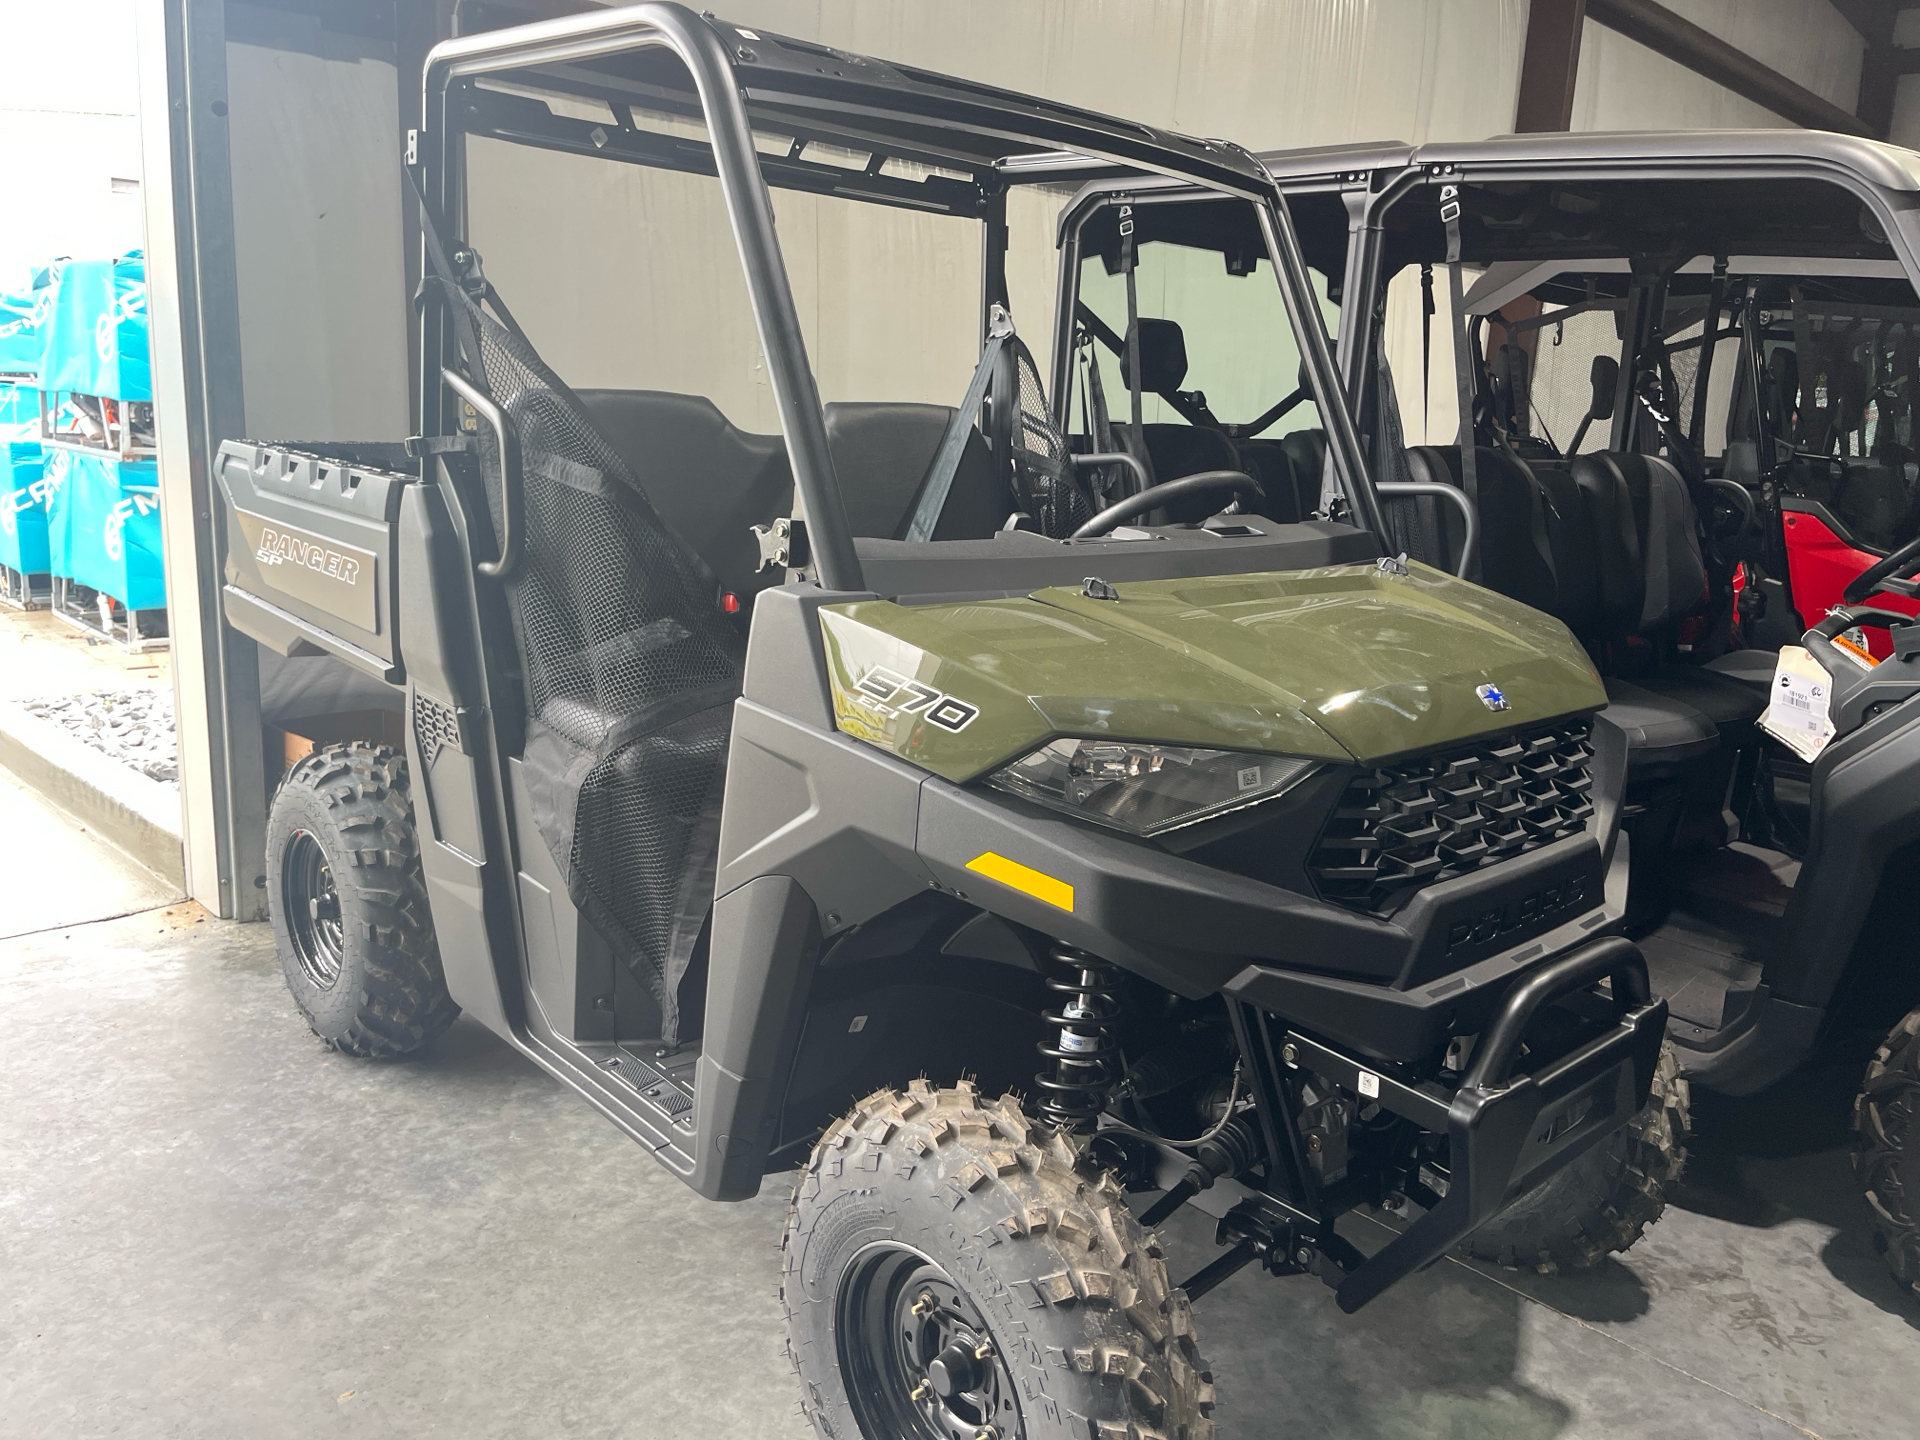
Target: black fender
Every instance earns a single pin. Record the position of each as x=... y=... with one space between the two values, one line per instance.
x=1866 y=808
x=1866 y=805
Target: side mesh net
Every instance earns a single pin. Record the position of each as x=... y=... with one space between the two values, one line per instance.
x=1044 y=484
x=630 y=672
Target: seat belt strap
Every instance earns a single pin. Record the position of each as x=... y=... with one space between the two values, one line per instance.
x=938 y=484
x=1099 y=425
x=1462 y=354
x=444 y=273
x=1133 y=321
x=1426 y=350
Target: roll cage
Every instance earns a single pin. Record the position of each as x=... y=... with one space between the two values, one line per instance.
x=662 y=61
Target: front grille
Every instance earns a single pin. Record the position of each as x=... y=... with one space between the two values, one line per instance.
x=1400 y=827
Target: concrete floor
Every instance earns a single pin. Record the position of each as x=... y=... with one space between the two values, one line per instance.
x=211 y=1227
x=56 y=873
x=41 y=655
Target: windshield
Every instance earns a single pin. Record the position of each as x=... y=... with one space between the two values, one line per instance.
x=1222 y=386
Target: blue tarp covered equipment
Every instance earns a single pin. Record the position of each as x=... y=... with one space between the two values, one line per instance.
x=19 y=412
x=94 y=338
x=23 y=315
x=23 y=508
x=103 y=525
x=23 y=492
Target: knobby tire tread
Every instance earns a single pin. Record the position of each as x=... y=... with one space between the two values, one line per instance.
x=1886 y=1129
x=1104 y=1342
x=363 y=792
x=1603 y=1202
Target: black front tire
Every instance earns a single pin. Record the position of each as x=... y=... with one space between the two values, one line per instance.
x=349 y=903
x=1604 y=1201
x=1886 y=1127
x=945 y=1258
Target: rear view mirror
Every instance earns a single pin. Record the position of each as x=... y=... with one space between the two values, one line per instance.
x=1606 y=379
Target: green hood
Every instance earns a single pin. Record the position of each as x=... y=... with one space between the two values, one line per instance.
x=1345 y=663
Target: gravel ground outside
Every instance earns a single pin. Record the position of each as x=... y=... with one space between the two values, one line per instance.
x=133 y=726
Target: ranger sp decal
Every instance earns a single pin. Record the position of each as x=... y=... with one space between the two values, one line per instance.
x=276 y=547
x=335 y=576
x=893 y=694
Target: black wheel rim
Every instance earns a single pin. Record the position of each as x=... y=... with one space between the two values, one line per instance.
x=312 y=908
x=918 y=1360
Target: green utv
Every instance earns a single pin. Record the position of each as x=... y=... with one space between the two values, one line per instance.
x=929 y=804
x=1691 y=363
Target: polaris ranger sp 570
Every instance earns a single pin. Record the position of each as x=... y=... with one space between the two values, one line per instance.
x=917 y=801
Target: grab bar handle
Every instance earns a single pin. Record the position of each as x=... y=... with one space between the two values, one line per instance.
x=512 y=496
x=1470 y=547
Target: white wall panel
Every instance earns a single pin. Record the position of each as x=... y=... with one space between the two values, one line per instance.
x=1905 y=129
x=629 y=278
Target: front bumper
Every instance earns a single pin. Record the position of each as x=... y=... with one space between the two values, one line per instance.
x=1506 y=1134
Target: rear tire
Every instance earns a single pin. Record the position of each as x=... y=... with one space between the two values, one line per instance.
x=1886 y=1126
x=349 y=904
x=1604 y=1201
x=930 y=1222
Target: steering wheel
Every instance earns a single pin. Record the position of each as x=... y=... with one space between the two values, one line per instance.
x=1745 y=515
x=1154 y=496
x=1907 y=557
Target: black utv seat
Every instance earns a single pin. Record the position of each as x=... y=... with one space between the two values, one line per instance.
x=1872 y=499
x=882 y=451
x=1567 y=542
x=709 y=480
x=712 y=482
x=1175 y=450
x=1752 y=668
x=1179 y=450
x=1515 y=554
x=1664 y=735
x=1307 y=449
x=1289 y=497
x=1659 y=547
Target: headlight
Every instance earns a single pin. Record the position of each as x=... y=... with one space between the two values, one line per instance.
x=1145 y=789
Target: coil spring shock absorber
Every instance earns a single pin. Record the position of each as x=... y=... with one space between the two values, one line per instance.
x=1084 y=1053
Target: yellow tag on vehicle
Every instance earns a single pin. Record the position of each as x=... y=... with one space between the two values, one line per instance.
x=1024 y=878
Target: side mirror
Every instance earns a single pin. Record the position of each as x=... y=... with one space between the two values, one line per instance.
x=1606 y=379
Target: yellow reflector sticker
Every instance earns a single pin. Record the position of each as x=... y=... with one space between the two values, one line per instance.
x=1023 y=878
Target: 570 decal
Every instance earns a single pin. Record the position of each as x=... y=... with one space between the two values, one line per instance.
x=893 y=694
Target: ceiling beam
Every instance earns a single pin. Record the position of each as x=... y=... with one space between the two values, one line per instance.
x=1550 y=65
x=1872 y=18
x=1880 y=62
x=1704 y=53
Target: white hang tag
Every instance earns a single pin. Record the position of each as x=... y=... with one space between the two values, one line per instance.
x=1797 y=715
